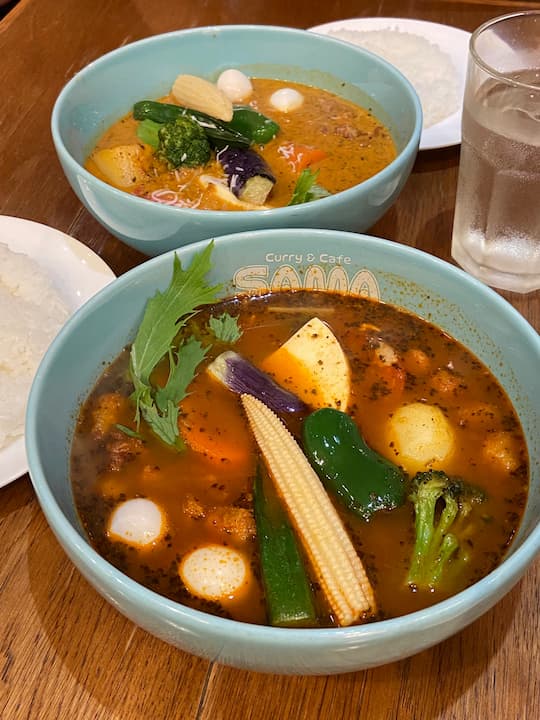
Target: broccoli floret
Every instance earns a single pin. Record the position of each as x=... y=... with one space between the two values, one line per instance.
x=442 y=506
x=183 y=142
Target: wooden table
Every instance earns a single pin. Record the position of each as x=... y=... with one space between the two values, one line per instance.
x=66 y=653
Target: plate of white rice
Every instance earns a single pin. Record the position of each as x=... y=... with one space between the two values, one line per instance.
x=45 y=275
x=433 y=57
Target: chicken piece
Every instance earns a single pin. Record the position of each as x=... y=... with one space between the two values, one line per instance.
x=500 y=448
x=227 y=519
x=234 y=521
x=478 y=416
x=193 y=508
x=106 y=414
x=416 y=362
x=445 y=382
x=122 y=449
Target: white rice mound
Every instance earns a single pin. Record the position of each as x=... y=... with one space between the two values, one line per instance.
x=424 y=64
x=31 y=314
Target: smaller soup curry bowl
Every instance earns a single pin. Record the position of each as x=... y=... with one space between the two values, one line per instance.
x=155 y=202
x=417 y=365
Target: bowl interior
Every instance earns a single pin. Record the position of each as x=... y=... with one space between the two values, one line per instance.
x=442 y=294
x=146 y=70
x=437 y=291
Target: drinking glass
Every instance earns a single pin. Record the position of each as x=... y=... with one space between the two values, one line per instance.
x=496 y=234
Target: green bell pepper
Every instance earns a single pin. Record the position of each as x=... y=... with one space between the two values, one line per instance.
x=254 y=125
x=219 y=133
x=363 y=480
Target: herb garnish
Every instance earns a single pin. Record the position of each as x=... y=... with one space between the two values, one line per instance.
x=147 y=131
x=225 y=328
x=166 y=313
x=307 y=189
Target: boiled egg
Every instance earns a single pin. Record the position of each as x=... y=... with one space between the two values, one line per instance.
x=214 y=572
x=138 y=522
x=286 y=99
x=235 y=85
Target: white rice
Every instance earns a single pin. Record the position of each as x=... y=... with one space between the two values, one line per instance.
x=31 y=314
x=424 y=64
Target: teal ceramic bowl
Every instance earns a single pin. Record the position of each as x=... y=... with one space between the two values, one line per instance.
x=106 y=89
x=437 y=291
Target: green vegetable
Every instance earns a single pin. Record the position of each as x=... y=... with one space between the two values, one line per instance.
x=287 y=589
x=218 y=132
x=363 y=480
x=162 y=414
x=128 y=431
x=253 y=125
x=166 y=313
x=225 y=328
x=183 y=142
x=442 y=508
x=147 y=131
x=307 y=189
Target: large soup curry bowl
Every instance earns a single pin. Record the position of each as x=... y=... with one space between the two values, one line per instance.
x=106 y=90
x=254 y=262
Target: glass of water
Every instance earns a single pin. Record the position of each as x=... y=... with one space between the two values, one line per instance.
x=496 y=235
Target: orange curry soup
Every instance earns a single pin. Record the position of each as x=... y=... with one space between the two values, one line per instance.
x=343 y=142
x=206 y=490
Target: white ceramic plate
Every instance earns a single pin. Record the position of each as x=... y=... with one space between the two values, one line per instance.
x=76 y=272
x=452 y=41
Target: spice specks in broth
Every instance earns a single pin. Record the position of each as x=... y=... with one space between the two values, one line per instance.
x=206 y=489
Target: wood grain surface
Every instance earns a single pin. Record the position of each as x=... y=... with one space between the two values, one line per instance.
x=64 y=651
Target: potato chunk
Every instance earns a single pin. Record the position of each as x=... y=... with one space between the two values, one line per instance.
x=420 y=437
x=121 y=165
x=312 y=365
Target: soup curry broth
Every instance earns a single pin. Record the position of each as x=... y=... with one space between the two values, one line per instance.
x=205 y=490
x=326 y=137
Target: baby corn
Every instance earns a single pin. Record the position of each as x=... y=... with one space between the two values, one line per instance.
x=336 y=565
x=200 y=94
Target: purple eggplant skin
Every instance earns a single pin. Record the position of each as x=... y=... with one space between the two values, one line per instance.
x=241 y=376
x=248 y=174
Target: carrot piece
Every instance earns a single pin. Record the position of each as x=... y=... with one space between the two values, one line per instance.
x=301 y=156
x=210 y=423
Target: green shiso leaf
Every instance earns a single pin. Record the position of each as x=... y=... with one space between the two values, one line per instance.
x=225 y=328
x=307 y=189
x=166 y=313
x=147 y=131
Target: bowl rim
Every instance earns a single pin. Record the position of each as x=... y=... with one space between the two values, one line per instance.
x=411 y=147
x=474 y=600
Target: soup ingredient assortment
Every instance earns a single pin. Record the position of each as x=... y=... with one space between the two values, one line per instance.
x=319 y=459
x=241 y=144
